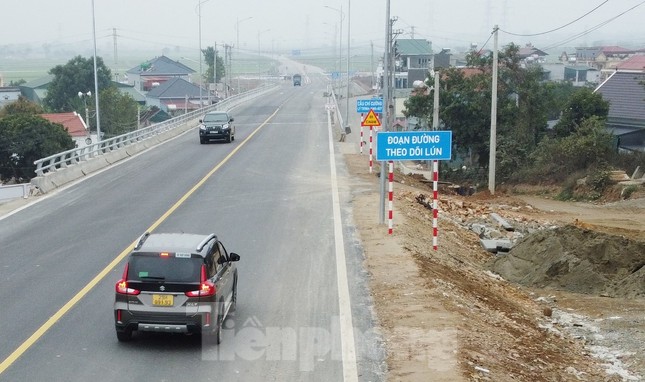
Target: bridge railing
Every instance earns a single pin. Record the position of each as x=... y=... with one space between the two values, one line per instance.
x=74 y=156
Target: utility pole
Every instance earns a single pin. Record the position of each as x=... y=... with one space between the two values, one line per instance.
x=226 y=68
x=116 y=59
x=201 y=76
x=214 y=68
x=349 y=23
x=372 y=65
x=386 y=105
x=493 y=118
x=96 y=78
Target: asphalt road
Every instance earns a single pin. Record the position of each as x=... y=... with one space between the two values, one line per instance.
x=269 y=196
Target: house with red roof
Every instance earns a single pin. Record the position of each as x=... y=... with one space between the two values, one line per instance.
x=75 y=126
x=634 y=63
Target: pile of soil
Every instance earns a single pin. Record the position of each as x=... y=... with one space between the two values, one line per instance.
x=576 y=260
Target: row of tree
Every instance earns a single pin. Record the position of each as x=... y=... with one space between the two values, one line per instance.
x=527 y=149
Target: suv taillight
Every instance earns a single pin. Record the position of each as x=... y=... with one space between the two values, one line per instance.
x=122 y=285
x=206 y=287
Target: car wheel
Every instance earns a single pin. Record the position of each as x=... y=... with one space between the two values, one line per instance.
x=215 y=336
x=124 y=335
x=234 y=298
x=202 y=140
x=228 y=138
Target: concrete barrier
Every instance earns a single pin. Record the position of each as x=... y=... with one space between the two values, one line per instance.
x=62 y=177
x=93 y=165
x=43 y=183
x=135 y=148
x=115 y=156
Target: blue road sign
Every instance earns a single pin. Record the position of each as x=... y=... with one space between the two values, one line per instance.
x=364 y=105
x=413 y=145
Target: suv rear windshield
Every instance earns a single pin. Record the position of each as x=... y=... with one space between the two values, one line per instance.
x=152 y=267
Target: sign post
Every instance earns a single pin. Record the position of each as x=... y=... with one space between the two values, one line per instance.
x=371 y=120
x=412 y=145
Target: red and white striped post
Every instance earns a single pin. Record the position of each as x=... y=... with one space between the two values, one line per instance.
x=362 y=143
x=390 y=196
x=371 y=160
x=435 y=197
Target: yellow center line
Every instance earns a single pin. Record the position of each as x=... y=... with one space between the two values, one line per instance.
x=29 y=342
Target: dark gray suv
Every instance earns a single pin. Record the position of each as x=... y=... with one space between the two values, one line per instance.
x=177 y=283
x=217 y=125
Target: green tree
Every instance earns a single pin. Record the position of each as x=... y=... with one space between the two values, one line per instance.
x=583 y=104
x=77 y=75
x=21 y=106
x=209 y=57
x=465 y=101
x=17 y=82
x=589 y=146
x=26 y=138
x=118 y=112
x=558 y=94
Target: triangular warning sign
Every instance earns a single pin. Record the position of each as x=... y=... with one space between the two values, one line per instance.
x=371 y=119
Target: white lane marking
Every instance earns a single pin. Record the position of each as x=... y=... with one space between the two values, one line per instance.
x=350 y=371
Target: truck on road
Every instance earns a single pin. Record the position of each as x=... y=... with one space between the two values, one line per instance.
x=297 y=80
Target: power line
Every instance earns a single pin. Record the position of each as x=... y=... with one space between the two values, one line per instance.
x=489 y=37
x=598 y=26
x=556 y=29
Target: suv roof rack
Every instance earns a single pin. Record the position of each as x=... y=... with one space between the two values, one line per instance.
x=142 y=240
x=205 y=241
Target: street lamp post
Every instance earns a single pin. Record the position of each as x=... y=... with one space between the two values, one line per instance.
x=349 y=22
x=96 y=79
x=340 y=37
x=340 y=11
x=201 y=75
x=259 y=54
x=84 y=97
x=237 y=45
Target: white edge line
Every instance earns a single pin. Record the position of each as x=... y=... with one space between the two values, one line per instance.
x=350 y=371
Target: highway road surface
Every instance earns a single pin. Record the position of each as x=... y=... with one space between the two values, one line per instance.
x=278 y=196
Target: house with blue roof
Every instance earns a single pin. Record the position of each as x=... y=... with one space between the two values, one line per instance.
x=625 y=91
x=178 y=96
x=156 y=71
x=413 y=61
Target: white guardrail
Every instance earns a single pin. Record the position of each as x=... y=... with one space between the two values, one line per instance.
x=59 y=169
x=74 y=156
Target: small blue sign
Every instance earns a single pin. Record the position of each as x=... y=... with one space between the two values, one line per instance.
x=364 y=105
x=413 y=145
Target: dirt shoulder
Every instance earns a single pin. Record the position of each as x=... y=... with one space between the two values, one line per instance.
x=446 y=317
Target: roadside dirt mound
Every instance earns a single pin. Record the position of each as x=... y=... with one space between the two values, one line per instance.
x=577 y=260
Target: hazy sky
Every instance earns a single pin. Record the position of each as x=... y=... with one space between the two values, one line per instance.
x=308 y=24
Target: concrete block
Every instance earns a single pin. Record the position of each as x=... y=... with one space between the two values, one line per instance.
x=93 y=165
x=638 y=173
x=115 y=156
x=495 y=246
x=135 y=148
x=66 y=175
x=43 y=183
x=502 y=222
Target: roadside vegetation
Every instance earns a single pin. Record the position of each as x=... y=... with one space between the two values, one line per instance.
x=577 y=146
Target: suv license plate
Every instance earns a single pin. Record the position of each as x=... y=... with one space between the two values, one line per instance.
x=162 y=299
